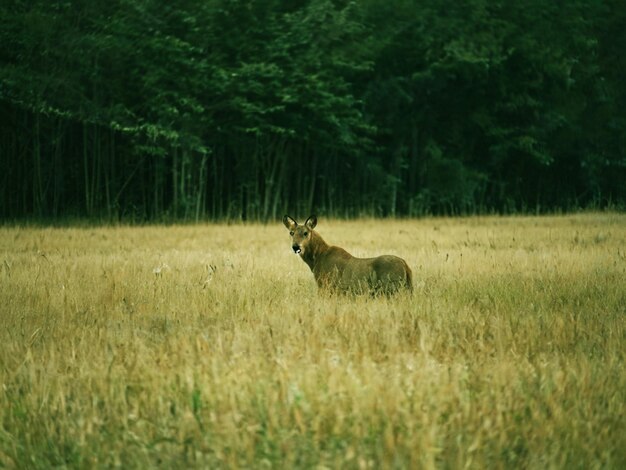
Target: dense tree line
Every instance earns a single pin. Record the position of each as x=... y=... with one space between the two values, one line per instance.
x=188 y=109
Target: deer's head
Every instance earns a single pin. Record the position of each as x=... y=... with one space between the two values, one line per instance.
x=300 y=234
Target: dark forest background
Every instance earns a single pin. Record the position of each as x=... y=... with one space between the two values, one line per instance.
x=239 y=109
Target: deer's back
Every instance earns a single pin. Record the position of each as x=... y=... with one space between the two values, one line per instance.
x=341 y=271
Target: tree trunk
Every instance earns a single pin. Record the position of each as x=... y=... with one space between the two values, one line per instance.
x=313 y=181
x=175 y=188
x=87 y=189
x=200 y=196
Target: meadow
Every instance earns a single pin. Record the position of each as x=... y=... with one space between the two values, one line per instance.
x=208 y=346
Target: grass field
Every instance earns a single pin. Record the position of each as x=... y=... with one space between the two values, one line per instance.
x=208 y=346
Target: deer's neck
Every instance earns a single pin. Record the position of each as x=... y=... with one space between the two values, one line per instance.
x=316 y=248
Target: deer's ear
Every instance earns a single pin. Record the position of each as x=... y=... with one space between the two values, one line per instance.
x=311 y=222
x=289 y=223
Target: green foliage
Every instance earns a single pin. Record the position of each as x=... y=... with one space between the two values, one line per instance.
x=236 y=108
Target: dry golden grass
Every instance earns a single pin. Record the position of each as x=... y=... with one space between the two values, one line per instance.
x=209 y=346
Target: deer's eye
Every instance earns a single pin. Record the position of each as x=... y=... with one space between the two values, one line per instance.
x=291 y=233
x=306 y=234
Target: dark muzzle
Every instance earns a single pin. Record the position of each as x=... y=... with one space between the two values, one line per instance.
x=296 y=249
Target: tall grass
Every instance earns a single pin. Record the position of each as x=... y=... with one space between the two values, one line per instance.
x=209 y=346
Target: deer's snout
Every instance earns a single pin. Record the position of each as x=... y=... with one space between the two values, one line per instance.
x=296 y=248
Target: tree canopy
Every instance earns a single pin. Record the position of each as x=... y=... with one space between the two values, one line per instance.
x=193 y=109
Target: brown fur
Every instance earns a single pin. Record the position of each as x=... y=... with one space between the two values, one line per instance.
x=337 y=270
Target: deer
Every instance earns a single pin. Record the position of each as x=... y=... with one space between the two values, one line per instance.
x=337 y=271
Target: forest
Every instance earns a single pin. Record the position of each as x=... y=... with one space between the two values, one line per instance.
x=187 y=110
